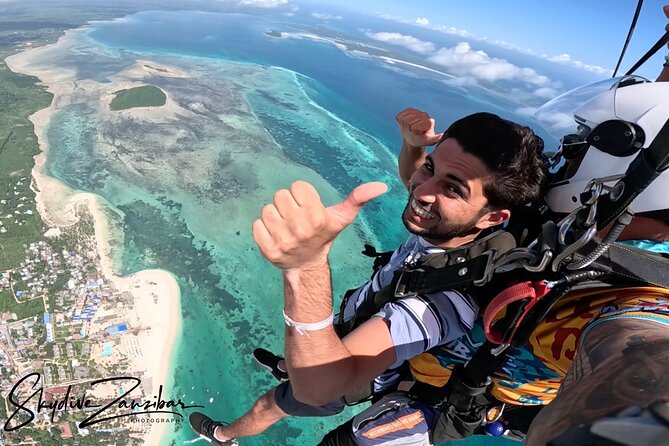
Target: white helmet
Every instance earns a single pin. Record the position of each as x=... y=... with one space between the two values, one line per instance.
x=601 y=127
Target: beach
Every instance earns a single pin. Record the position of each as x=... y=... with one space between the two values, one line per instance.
x=155 y=313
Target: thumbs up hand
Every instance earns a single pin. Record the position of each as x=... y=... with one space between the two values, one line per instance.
x=297 y=231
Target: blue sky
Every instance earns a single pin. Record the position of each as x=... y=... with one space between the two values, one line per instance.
x=587 y=33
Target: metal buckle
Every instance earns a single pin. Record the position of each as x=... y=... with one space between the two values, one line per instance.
x=403 y=282
x=489 y=269
x=578 y=244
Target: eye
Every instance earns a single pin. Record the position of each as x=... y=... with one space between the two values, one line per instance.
x=428 y=167
x=453 y=190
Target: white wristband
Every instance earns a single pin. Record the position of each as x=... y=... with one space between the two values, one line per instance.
x=303 y=328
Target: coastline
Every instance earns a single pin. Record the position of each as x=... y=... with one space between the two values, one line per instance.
x=156 y=312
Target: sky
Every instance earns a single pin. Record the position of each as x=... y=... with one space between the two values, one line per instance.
x=587 y=34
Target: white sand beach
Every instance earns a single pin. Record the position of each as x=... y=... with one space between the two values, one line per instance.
x=157 y=311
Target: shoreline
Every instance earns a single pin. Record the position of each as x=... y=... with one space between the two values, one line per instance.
x=151 y=289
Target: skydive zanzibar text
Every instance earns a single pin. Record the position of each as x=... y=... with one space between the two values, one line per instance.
x=70 y=401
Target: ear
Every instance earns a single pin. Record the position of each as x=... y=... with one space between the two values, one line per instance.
x=493 y=218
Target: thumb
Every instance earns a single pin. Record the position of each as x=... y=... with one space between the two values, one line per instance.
x=436 y=136
x=345 y=212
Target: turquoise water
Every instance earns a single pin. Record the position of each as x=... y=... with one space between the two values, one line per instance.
x=257 y=114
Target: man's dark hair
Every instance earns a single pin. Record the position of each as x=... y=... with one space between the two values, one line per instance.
x=512 y=152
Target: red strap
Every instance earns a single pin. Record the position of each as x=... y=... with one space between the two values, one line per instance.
x=528 y=291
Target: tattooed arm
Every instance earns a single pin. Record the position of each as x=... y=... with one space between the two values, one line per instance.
x=621 y=363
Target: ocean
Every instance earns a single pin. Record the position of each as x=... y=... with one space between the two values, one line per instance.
x=263 y=111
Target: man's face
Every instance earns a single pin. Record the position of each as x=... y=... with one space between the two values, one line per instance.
x=446 y=198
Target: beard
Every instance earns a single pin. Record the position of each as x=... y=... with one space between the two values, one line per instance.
x=444 y=231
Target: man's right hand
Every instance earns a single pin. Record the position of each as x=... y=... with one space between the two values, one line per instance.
x=417 y=128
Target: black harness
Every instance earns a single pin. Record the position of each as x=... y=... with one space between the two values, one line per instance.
x=460 y=268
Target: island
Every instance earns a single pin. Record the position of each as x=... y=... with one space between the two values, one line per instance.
x=144 y=96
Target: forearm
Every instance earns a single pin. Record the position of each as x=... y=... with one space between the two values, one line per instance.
x=410 y=159
x=622 y=363
x=320 y=366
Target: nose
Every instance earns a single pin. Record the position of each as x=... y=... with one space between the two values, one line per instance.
x=425 y=191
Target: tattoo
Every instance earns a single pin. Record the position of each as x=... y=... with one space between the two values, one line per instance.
x=620 y=363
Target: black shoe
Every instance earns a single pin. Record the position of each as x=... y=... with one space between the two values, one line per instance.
x=270 y=361
x=205 y=427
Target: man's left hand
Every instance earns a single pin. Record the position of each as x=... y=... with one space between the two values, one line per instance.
x=297 y=230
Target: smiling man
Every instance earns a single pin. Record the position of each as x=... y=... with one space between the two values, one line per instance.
x=482 y=167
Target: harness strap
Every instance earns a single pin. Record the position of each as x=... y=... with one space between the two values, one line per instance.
x=525 y=293
x=633 y=264
x=466 y=272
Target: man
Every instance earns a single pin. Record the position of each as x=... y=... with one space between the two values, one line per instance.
x=482 y=167
x=600 y=357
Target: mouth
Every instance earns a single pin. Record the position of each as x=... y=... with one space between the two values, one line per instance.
x=421 y=211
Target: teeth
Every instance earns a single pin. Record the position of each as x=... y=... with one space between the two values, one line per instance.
x=418 y=209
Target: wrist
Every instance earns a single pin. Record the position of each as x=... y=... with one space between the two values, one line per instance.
x=315 y=265
x=413 y=148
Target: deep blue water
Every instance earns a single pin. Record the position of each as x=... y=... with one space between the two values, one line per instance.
x=361 y=91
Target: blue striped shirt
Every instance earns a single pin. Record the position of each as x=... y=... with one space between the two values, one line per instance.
x=417 y=323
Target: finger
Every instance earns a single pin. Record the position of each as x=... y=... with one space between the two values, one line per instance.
x=304 y=194
x=421 y=126
x=262 y=237
x=285 y=203
x=666 y=11
x=406 y=116
x=272 y=220
x=346 y=211
x=404 y=113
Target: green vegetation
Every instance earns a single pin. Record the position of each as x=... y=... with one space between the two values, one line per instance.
x=144 y=96
x=19 y=98
x=34 y=307
x=23 y=25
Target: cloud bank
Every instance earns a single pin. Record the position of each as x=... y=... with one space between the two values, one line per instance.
x=263 y=3
x=322 y=16
x=465 y=62
x=409 y=42
x=565 y=59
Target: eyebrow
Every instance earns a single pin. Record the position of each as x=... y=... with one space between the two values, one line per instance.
x=452 y=177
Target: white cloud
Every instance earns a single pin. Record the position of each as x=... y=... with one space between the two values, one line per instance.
x=527 y=111
x=454 y=31
x=557 y=122
x=513 y=46
x=263 y=3
x=393 y=18
x=566 y=59
x=546 y=92
x=322 y=16
x=470 y=66
x=462 y=60
x=562 y=58
x=410 y=42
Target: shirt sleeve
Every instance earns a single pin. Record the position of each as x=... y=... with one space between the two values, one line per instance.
x=419 y=323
